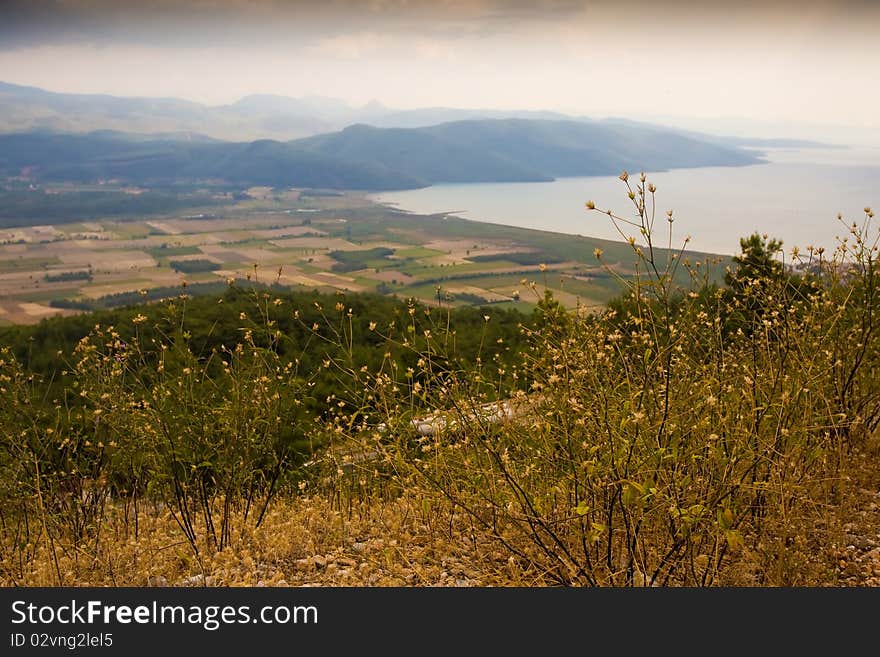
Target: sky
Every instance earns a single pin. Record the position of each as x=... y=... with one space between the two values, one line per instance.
x=804 y=68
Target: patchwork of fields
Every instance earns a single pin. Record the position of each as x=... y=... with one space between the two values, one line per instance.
x=332 y=243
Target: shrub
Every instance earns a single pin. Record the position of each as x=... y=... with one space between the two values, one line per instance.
x=685 y=429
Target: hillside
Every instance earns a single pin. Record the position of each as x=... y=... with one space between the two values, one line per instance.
x=432 y=155
x=504 y=150
x=365 y=157
x=97 y=156
x=31 y=108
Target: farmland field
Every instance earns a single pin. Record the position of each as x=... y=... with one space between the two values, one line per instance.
x=326 y=243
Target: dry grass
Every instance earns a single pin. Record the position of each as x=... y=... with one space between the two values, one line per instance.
x=302 y=541
x=324 y=539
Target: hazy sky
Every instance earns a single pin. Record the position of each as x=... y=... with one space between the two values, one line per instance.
x=784 y=63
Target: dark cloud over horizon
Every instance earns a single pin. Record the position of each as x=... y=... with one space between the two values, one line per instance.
x=31 y=23
x=27 y=23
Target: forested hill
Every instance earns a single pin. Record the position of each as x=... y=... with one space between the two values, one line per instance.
x=102 y=156
x=366 y=157
x=511 y=149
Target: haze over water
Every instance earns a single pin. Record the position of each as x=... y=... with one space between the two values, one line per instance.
x=795 y=197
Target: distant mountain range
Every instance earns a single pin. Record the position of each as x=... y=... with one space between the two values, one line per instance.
x=252 y=117
x=24 y=109
x=366 y=157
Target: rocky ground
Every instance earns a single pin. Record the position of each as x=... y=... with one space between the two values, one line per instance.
x=311 y=541
x=372 y=556
x=859 y=558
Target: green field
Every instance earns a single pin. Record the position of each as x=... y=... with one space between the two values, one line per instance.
x=11 y=264
x=164 y=251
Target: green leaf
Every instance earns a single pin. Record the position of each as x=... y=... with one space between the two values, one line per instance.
x=582 y=508
x=734 y=538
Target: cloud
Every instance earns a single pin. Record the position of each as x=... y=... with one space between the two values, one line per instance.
x=199 y=23
x=32 y=23
x=347 y=46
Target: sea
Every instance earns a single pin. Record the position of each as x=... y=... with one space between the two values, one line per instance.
x=795 y=196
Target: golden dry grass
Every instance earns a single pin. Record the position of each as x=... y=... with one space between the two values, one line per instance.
x=302 y=541
x=327 y=539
